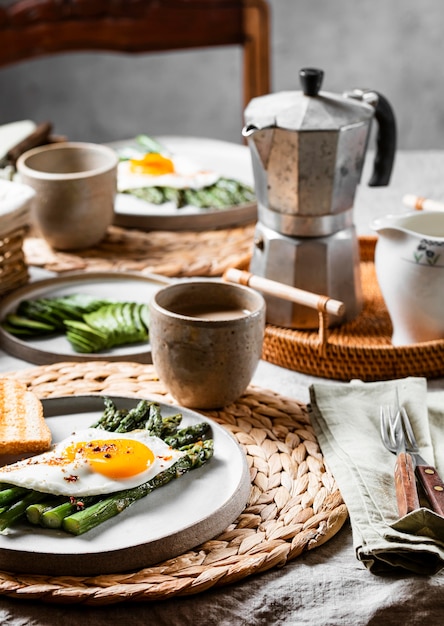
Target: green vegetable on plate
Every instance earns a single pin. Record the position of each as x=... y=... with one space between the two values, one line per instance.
x=224 y=193
x=80 y=514
x=89 y=324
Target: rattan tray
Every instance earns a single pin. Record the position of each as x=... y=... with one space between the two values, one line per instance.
x=294 y=503
x=361 y=348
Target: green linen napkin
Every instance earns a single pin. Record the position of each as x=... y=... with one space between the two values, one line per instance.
x=345 y=417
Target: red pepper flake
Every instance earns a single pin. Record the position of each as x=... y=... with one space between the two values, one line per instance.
x=71 y=478
x=79 y=504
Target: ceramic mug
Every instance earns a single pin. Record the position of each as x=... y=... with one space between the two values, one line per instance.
x=206 y=340
x=75 y=185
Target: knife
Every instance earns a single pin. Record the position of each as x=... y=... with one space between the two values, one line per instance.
x=427 y=475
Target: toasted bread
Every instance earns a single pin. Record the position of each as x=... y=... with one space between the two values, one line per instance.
x=22 y=426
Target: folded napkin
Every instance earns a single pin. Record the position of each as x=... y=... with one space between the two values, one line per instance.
x=345 y=418
x=15 y=203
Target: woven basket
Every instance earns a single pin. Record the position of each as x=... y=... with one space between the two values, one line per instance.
x=13 y=266
x=361 y=348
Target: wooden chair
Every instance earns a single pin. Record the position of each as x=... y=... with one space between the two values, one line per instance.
x=35 y=28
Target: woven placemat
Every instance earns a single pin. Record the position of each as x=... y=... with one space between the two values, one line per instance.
x=294 y=504
x=361 y=348
x=178 y=253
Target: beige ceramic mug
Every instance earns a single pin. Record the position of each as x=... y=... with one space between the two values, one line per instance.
x=75 y=185
x=206 y=340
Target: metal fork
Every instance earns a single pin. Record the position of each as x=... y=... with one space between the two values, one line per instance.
x=427 y=474
x=393 y=438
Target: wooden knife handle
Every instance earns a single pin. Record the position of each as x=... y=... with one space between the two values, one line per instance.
x=433 y=486
x=405 y=483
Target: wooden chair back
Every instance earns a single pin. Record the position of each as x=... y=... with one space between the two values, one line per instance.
x=35 y=28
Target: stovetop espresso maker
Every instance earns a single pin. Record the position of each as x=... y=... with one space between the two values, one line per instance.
x=307 y=149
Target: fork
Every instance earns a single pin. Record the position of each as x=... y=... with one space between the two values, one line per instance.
x=427 y=474
x=393 y=438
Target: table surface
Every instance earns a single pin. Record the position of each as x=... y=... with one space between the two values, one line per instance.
x=326 y=586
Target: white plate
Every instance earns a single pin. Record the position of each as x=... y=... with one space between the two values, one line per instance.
x=169 y=521
x=119 y=286
x=229 y=159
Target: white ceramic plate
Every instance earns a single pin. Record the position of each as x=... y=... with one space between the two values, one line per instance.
x=169 y=521
x=109 y=285
x=229 y=159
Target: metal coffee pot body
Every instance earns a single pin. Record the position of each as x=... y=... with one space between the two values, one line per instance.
x=308 y=149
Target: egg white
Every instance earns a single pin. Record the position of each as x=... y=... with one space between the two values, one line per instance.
x=186 y=175
x=45 y=472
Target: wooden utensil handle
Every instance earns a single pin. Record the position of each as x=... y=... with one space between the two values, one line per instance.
x=422 y=204
x=433 y=486
x=286 y=292
x=405 y=483
x=37 y=138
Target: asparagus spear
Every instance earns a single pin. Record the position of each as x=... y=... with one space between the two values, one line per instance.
x=35 y=511
x=154 y=422
x=10 y=493
x=17 y=510
x=170 y=424
x=114 y=418
x=150 y=145
x=188 y=435
x=145 y=415
x=53 y=517
x=78 y=523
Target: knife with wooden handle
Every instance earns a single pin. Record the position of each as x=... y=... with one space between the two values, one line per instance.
x=428 y=476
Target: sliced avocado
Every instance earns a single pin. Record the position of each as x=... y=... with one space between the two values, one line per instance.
x=27 y=323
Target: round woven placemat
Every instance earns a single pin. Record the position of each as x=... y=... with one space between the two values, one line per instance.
x=185 y=253
x=294 y=503
x=361 y=348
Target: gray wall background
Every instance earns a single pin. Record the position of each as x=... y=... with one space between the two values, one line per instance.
x=393 y=46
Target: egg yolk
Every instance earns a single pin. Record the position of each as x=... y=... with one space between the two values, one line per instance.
x=153 y=164
x=114 y=458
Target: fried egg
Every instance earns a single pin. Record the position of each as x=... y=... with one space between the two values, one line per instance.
x=93 y=462
x=156 y=170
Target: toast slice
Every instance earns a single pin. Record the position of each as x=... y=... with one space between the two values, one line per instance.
x=22 y=426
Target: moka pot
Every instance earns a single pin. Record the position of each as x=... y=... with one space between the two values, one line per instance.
x=308 y=149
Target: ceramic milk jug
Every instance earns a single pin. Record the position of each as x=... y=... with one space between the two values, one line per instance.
x=409 y=263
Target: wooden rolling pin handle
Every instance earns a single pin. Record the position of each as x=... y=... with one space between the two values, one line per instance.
x=286 y=292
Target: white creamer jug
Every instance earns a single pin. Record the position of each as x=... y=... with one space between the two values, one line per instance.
x=409 y=263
